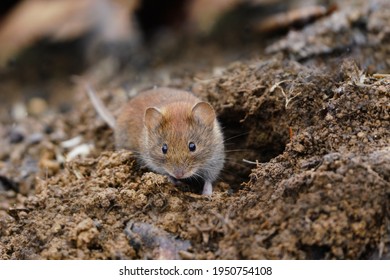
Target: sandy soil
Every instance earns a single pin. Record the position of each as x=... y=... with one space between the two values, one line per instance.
x=307 y=175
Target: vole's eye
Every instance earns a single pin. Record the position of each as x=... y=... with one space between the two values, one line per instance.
x=192 y=147
x=164 y=148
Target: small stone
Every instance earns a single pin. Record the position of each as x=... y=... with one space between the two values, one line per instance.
x=70 y=143
x=382 y=89
x=328 y=117
x=48 y=129
x=298 y=148
x=37 y=106
x=16 y=136
x=361 y=134
x=35 y=138
x=19 y=111
x=81 y=150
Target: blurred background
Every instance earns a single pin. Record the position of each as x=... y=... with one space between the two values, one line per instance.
x=44 y=43
x=97 y=25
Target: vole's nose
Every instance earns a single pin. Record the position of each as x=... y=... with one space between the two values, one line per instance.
x=178 y=172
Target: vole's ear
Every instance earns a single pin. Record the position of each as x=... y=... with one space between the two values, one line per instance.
x=204 y=112
x=153 y=117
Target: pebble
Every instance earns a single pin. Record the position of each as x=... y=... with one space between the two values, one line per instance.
x=382 y=89
x=16 y=136
x=19 y=111
x=81 y=150
x=361 y=134
x=37 y=106
x=298 y=148
x=35 y=138
x=71 y=142
x=328 y=117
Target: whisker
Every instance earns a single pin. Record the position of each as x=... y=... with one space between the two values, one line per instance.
x=236 y=136
x=237 y=164
x=197 y=177
x=237 y=150
x=230 y=158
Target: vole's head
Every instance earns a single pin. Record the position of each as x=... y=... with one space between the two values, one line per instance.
x=184 y=141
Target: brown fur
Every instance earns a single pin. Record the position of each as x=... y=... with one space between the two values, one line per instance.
x=175 y=118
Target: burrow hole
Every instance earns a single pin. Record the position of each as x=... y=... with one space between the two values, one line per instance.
x=259 y=137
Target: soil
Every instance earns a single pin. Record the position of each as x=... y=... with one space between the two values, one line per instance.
x=306 y=118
